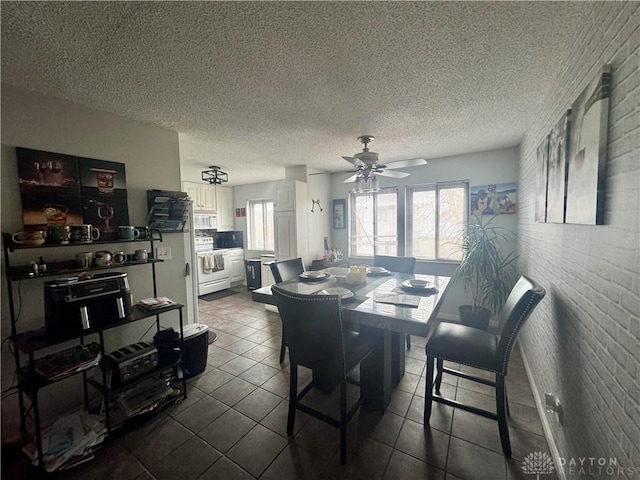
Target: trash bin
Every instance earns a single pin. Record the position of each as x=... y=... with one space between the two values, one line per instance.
x=254 y=277
x=195 y=346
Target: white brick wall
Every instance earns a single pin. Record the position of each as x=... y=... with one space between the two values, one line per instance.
x=583 y=341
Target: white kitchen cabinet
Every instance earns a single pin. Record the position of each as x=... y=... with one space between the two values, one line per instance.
x=224 y=204
x=289 y=196
x=202 y=194
x=236 y=255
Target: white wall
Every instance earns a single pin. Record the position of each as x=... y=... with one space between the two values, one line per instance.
x=583 y=341
x=151 y=157
x=482 y=168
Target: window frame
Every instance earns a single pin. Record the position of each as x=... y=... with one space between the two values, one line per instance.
x=250 y=234
x=353 y=219
x=408 y=227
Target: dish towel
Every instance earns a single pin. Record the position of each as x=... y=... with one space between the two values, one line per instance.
x=218 y=262
x=208 y=262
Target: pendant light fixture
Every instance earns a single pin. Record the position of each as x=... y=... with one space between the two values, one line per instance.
x=215 y=176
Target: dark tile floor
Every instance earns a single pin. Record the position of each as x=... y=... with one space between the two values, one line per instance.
x=233 y=423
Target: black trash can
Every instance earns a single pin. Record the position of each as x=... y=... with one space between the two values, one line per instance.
x=253 y=271
x=195 y=346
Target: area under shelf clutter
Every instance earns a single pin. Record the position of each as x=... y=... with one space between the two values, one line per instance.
x=152 y=380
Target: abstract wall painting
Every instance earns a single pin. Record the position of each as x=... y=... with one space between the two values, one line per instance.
x=557 y=174
x=541 y=180
x=586 y=179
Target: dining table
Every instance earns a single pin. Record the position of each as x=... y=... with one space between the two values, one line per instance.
x=385 y=307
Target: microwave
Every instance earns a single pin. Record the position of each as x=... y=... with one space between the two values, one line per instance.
x=205 y=221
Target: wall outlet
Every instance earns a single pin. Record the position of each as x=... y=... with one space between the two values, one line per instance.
x=163 y=253
x=552 y=405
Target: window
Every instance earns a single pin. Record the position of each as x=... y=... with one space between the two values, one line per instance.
x=436 y=215
x=260 y=225
x=374 y=223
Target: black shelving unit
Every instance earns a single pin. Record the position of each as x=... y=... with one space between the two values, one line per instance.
x=28 y=343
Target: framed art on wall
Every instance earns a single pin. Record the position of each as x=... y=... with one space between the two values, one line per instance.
x=588 y=151
x=557 y=174
x=541 y=180
x=339 y=213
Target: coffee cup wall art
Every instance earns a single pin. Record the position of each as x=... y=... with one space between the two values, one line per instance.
x=58 y=189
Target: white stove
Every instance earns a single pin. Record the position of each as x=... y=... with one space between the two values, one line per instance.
x=213 y=266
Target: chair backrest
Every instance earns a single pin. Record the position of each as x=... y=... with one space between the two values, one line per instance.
x=287 y=269
x=395 y=264
x=314 y=329
x=524 y=297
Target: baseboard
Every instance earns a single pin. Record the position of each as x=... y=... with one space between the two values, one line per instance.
x=542 y=413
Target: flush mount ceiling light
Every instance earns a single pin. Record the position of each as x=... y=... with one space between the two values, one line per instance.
x=215 y=176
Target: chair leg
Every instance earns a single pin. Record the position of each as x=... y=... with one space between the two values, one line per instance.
x=501 y=400
x=428 y=393
x=283 y=345
x=293 y=397
x=343 y=422
x=408 y=342
x=439 y=375
x=506 y=399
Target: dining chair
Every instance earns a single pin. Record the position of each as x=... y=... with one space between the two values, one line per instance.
x=283 y=271
x=396 y=264
x=318 y=340
x=480 y=349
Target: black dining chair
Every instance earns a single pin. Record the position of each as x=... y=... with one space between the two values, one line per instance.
x=396 y=264
x=480 y=349
x=283 y=271
x=318 y=340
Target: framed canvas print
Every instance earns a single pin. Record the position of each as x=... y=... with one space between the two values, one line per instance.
x=541 y=180
x=557 y=174
x=339 y=213
x=588 y=151
x=49 y=189
x=493 y=199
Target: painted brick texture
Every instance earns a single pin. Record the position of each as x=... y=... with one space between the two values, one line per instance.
x=583 y=341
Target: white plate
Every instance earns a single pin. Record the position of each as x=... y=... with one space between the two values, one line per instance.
x=313 y=275
x=428 y=286
x=377 y=271
x=343 y=292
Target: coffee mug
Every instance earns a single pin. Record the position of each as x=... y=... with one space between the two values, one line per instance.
x=102 y=258
x=84 y=259
x=141 y=256
x=60 y=234
x=35 y=237
x=118 y=257
x=145 y=232
x=84 y=233
x=126 y=232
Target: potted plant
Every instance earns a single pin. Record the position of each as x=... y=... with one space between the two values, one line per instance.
x=485 y=271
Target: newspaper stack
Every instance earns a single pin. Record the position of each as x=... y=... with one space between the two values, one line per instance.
x=70 y=441
x=67 y=362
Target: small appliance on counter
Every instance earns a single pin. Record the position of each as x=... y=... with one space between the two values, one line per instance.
x=72 y=305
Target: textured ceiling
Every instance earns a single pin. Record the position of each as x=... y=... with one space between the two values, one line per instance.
x=258 y=86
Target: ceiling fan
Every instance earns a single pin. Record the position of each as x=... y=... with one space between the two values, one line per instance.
x=367 y=167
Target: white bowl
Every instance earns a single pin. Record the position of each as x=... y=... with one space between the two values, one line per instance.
x=414 y=282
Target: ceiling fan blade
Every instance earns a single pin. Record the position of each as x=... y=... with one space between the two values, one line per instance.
x=388 y=173
x=355 y=161
x=413 y=162
x=352 y=178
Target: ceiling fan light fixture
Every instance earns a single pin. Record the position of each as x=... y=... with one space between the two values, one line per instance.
x=215 y=176
x=361 y=185
x=374 y=184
